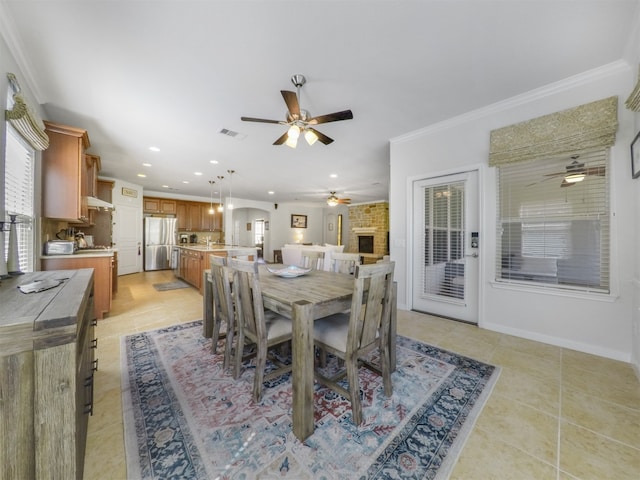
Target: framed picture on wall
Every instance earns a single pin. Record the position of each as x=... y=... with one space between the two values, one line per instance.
x=298 y=221
x=635 y=157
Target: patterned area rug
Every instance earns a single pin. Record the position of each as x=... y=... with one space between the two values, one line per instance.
x=186 y=418
x=161 y=287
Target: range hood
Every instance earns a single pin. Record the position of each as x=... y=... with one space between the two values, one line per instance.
x=94 y=203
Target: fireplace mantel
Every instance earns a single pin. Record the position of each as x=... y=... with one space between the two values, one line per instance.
x=364 y=230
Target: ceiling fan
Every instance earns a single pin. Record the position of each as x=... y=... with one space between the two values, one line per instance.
x=575 y=172
x=332 y=200
x=299 y=120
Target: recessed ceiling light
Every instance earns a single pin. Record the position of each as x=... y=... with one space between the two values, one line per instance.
x=146 y=164
x=271 y=192
x=154 y=149
x=185 y=181
x=142 y=175
x=333 y=175
x=197 y=173
x=165 y=186
x=215 y=162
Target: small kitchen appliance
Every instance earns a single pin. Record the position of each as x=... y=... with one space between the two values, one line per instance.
x=59 y=247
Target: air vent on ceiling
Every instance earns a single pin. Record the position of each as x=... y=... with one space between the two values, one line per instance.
x=232 y=134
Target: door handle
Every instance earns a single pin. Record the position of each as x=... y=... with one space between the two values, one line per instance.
x=472 y=255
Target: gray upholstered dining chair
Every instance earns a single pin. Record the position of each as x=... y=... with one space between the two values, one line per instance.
x=313 y=259
x=264 y=328
x=352 y=336
x=344 y=262
x=223 y=309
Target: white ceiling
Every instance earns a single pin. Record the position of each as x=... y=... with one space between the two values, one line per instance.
x=171 y=74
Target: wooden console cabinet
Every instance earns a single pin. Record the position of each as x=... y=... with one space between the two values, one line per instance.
x=47 y=362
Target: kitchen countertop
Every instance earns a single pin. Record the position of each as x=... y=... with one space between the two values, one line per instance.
x=89 y=252
x=210 y=248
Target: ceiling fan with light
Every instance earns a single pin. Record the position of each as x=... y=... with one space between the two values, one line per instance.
x=332 y=200
x=575 y=172
x=300 y=121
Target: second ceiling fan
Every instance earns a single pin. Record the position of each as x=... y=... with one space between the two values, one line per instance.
x=300 y=121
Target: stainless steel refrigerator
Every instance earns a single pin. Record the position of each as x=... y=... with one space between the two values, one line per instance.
x=159 y=239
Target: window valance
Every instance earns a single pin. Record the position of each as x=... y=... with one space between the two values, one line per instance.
x=25 y=119
x=574 y=130
x=633 y=102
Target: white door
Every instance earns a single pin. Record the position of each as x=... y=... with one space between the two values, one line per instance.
x=127 y=234
x=445 y=246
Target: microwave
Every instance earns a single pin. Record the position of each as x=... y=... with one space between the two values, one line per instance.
x=59 y=247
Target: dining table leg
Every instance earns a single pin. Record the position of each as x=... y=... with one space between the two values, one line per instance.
x=302 y=376
x=207 y=305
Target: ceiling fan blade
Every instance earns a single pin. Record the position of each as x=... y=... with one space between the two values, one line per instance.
x=595 y=171
x=344 y=201
x=261 y=120
x=291 y=99
x=281 y=139
x=321 y=136
x=331 y=117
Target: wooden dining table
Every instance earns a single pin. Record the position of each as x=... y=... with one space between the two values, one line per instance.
x=304 y=299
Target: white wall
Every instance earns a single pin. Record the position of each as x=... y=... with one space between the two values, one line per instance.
x=599 y=324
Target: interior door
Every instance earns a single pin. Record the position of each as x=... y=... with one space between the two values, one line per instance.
x=445 y=246
x=127 y=235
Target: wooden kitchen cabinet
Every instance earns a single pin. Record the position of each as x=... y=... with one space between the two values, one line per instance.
x=159 y=205
x=210 y=222
x=64 y=172
x=92 y=167
x=47 y=364
x=188 y=216
x=195 y=217
x=102 y=264
x=191 y=266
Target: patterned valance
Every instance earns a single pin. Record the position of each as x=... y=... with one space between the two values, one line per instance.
x=25 y=119
x=633 y=102
x=574 y=130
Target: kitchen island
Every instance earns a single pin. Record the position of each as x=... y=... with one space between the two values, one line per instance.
x=194 y=260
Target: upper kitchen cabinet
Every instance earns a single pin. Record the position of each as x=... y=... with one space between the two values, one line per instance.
x=93 y=166
x=159 y=205
x=210 y=222
x=64 y=173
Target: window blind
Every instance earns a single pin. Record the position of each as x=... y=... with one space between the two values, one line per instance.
x=553 y=222
x=19 y=194
x=443 y=241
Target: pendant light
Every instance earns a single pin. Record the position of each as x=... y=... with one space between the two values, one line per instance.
x=230 y=205
x=211 y=210
x=220 y=206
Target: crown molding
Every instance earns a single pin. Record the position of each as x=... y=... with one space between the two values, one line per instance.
x=614 y=68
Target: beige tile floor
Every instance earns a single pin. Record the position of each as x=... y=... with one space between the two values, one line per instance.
x=554 y=413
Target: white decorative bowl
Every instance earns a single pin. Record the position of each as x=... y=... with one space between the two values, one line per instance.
x=291 y=271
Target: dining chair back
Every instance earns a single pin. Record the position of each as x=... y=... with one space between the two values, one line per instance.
x=352 y=336
x=344 y=262
x=264 y=328
x=222 y=306
x=243 y=253
x=313 y=259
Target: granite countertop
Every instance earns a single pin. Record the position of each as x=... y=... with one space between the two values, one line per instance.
x=205 y=248
x=87 y=252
